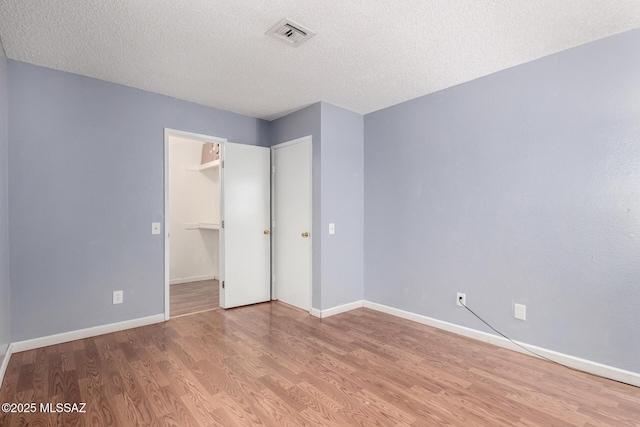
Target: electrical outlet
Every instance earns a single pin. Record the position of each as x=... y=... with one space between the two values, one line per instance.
x=155 y=228
x=464 y=299
x=520 y=311
x=332 y=228
x=117 y=297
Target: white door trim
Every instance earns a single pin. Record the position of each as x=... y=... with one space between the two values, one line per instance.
x=307 y=138
x=293 y=141
x=168 y=133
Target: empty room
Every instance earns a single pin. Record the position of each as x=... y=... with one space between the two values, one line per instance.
x=299 y=213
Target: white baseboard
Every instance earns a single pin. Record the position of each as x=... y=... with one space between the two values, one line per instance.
x=589 y=366
x=336 y=310
x=192 y=279
x=5 y=363
x=85 y=333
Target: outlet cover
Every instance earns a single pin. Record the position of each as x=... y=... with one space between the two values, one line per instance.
x=117 y=297
x=520 y=311
x=155 y=228
x=464 y=299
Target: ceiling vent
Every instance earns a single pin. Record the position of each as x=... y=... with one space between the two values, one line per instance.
x=290 y=33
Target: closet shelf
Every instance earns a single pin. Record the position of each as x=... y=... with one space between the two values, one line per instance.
x=208 y=226
x=201 y=226
x=205 y=166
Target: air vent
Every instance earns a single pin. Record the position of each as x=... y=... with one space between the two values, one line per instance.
x=290 y=33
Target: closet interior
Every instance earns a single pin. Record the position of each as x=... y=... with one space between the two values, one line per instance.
x=194 y=219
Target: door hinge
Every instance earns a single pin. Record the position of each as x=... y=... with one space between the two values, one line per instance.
x=223 y=223
x=222 y=164
x=223 y=284
x=273 y=169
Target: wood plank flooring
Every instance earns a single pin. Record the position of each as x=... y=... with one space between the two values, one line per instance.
x=194 y=297
x=273 y=365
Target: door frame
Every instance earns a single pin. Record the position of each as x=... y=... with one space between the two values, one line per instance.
x=168 y=133
x=308 y=138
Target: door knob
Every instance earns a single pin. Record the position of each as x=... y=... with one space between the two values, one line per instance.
x=267 y=231
x=305 y=234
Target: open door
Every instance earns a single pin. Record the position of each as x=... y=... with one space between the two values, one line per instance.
x=245 y=239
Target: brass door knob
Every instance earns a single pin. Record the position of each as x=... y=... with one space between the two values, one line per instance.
x=305 y=234
x=267 y=231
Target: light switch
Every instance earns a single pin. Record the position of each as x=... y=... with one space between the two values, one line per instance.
x=520 y=311
x=155 y=228
x=332 y=228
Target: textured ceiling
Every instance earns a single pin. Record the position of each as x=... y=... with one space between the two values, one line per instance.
x=367 y=54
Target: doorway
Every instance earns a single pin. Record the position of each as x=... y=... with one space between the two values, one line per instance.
x=193 y=216
x=217 y=224
x=292 y=219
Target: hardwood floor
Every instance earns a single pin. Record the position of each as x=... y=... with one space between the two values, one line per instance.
x=273 y=365
x=194 y=297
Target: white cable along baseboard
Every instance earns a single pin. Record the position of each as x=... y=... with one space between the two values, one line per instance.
x=589 y=366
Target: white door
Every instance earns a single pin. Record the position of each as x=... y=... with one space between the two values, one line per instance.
x=245 y=238
x=292 y=222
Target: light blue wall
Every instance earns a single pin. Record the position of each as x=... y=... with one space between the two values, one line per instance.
x=342 y=204
x=522 y=186
x=293 y=126
x=5 y=308
x=86 y=182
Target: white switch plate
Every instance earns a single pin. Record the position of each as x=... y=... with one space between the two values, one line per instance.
x=332 y=228
x=155 y=228
x=520 y=311
x=464 y=299
x=117 y=297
